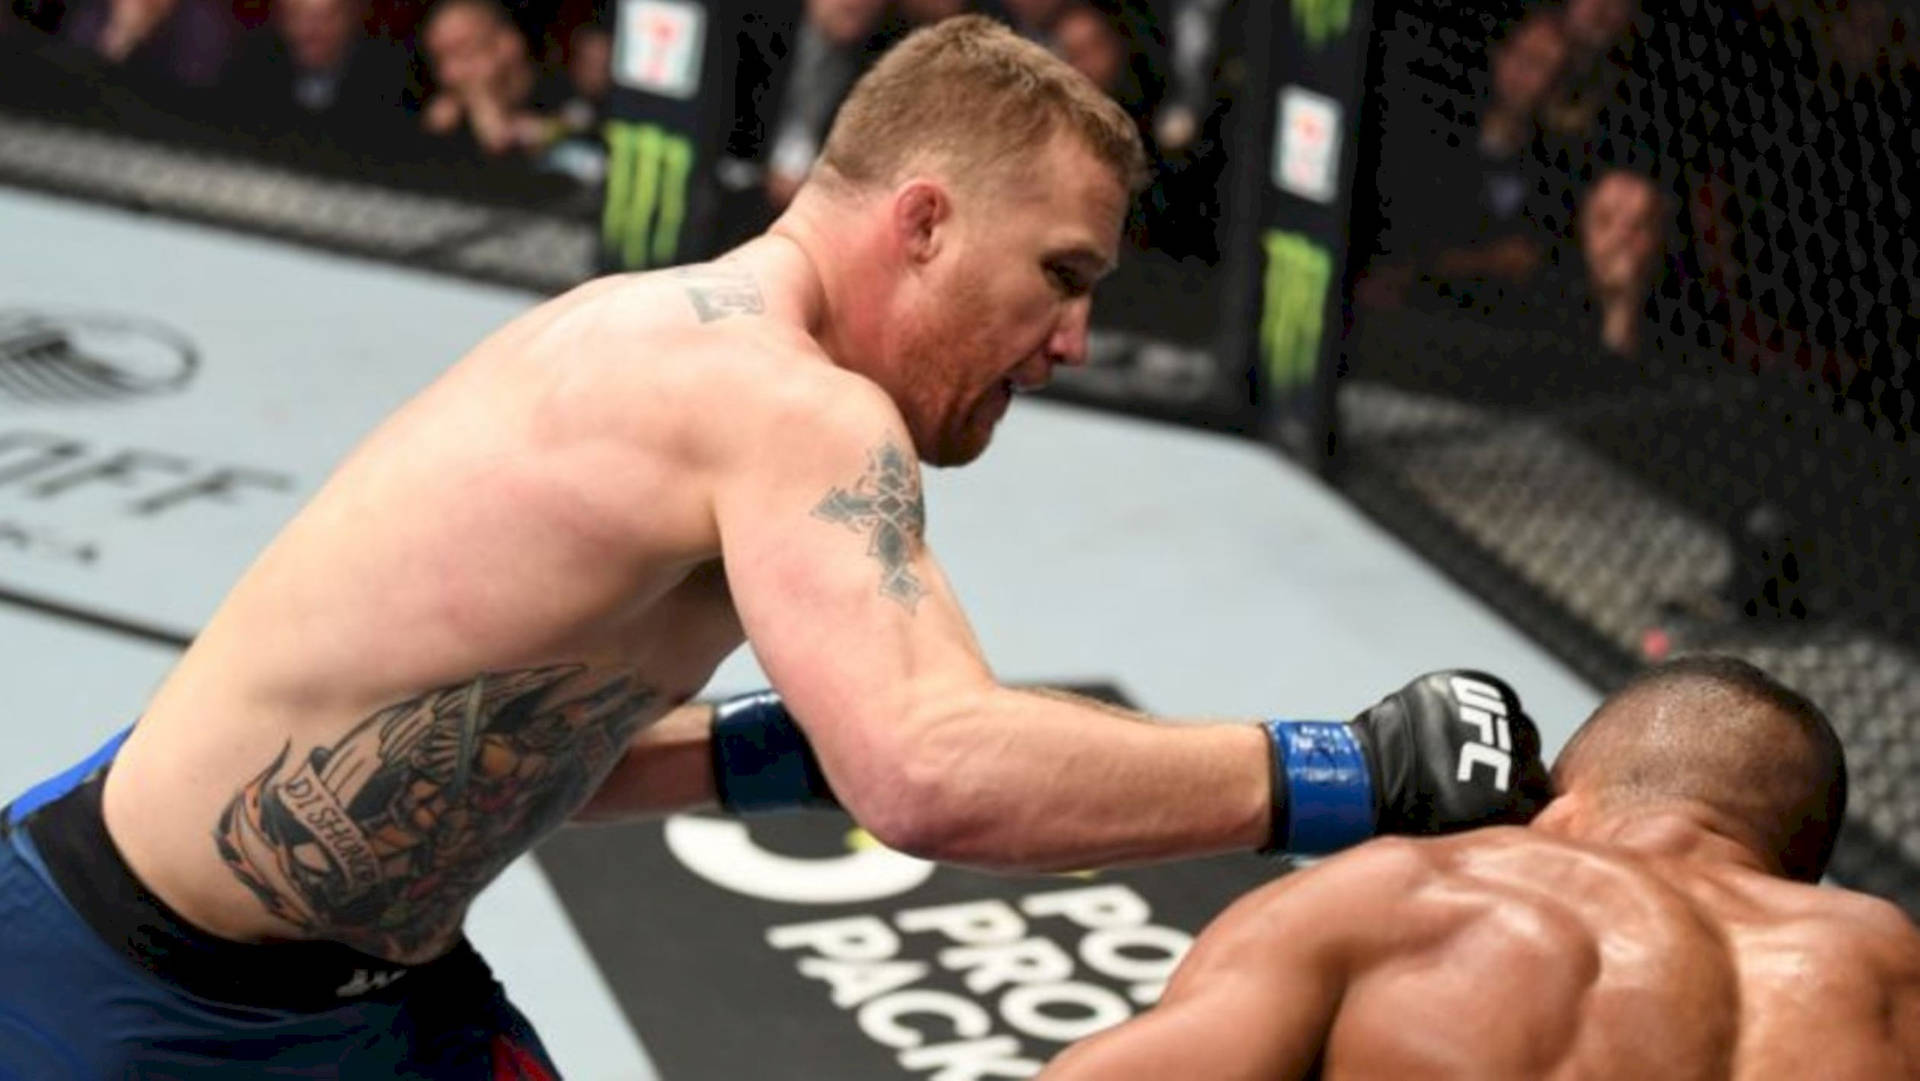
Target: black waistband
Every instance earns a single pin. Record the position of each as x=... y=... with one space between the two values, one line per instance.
x=70 y=833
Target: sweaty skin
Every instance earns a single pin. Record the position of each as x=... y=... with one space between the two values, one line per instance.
x=487 y=620
x=1513 y=953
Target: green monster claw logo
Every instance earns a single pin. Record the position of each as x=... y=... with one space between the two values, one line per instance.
x=1322 y=20
x=647 y=171
x=1291 y=320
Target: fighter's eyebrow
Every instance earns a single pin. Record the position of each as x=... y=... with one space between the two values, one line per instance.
x=1091 y=260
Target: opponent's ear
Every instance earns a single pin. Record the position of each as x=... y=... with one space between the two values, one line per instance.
x=921 y=211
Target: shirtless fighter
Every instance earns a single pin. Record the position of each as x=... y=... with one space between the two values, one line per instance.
x=1657 y=920
x=492 y=617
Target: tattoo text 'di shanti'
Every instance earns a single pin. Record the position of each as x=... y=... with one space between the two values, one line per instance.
x=886 y=505
x=380 y=839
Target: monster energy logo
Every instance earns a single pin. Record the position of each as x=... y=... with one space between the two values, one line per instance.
x=1322 y=20
x=1292 y=317
x=647 y=171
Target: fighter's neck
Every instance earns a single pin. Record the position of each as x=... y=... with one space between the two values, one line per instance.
x=801 y=286
x=1687 y=832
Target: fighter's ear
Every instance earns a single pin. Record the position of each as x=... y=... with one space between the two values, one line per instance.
x=921 y=209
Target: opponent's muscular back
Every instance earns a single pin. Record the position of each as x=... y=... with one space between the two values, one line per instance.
x=1505 y=954
x=440 y=656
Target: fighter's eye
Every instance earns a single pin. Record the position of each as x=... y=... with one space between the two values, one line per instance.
x=1067 y=280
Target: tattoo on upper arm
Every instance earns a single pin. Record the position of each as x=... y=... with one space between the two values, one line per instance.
x=885 y=504
x=722 y=289
x=382 y=839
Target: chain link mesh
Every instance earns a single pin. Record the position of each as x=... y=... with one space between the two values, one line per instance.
x=1632 y=348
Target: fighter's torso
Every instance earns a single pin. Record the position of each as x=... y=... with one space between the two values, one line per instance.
x=1541 y=960
x=440 y=657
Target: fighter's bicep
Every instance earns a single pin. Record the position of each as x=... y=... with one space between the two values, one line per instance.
x=824 y=544
x=837 y=529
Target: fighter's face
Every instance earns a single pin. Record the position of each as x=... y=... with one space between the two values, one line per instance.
x=1007 y=298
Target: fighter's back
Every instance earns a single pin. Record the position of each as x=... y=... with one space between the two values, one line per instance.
x=1512 y=954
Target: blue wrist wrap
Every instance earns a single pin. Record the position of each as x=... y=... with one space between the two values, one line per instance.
x=761 y=759
x=1323 y=792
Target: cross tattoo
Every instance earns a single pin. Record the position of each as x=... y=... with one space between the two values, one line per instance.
x=885 y=503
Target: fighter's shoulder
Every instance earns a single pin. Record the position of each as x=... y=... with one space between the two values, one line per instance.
x=746 y=365
x=1872 y=925
x=778 y=381
x=1348 y=894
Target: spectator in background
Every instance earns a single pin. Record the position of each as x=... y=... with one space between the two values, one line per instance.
x=1525 y=67
x=316 y=67
x=1194 y=36
x=486 y=88
x=829 y=53
x=580 y=149
x=1492 y=208
x=1096 y=41
x=183 y=42
x=1086 y=38
x=1034 y=19
x=1621 y=242
x=590 y=74
x=1600 y=47
x=928 y=12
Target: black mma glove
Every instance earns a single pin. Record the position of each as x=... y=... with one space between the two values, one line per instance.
x=1450 y=751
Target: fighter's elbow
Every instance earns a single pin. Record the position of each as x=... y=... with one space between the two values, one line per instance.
x=914 y=796
x=914 y=814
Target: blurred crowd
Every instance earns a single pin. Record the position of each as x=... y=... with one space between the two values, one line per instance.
x=1570 y=164
x=1160 y=59
x=528 y=81
x=386 y=78
x=1626 y=166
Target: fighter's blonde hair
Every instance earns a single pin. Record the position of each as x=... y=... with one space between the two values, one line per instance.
x=971 y=97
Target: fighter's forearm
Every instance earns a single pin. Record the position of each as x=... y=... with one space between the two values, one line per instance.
x=666 y=769
x=1021 y=780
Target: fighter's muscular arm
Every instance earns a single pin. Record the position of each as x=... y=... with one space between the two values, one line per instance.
x=821 y=524
x=1256 y=997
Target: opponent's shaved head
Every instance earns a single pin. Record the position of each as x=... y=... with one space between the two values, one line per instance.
x=970 y=97
x=1717 y=731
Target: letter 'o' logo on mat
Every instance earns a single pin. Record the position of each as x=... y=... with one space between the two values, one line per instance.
x=69 y=357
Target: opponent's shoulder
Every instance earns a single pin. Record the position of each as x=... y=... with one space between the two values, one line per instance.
x=1860 y=943
x=1871 y=925
x=1839 y=918
x=1343 y=901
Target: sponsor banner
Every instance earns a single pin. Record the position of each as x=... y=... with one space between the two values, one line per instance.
x=1307 y=153
x=1293 y=309
x=645 y=213
x=169 y=396
x=659 y=45
x=1321 y=21
x=797 y=946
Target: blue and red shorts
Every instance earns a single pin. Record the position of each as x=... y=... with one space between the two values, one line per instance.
x=100 y=979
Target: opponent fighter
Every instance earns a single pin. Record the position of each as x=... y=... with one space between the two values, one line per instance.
x=1658 y=919
x=493 y=615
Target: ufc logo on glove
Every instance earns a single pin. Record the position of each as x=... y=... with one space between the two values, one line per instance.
x=1485 y=710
